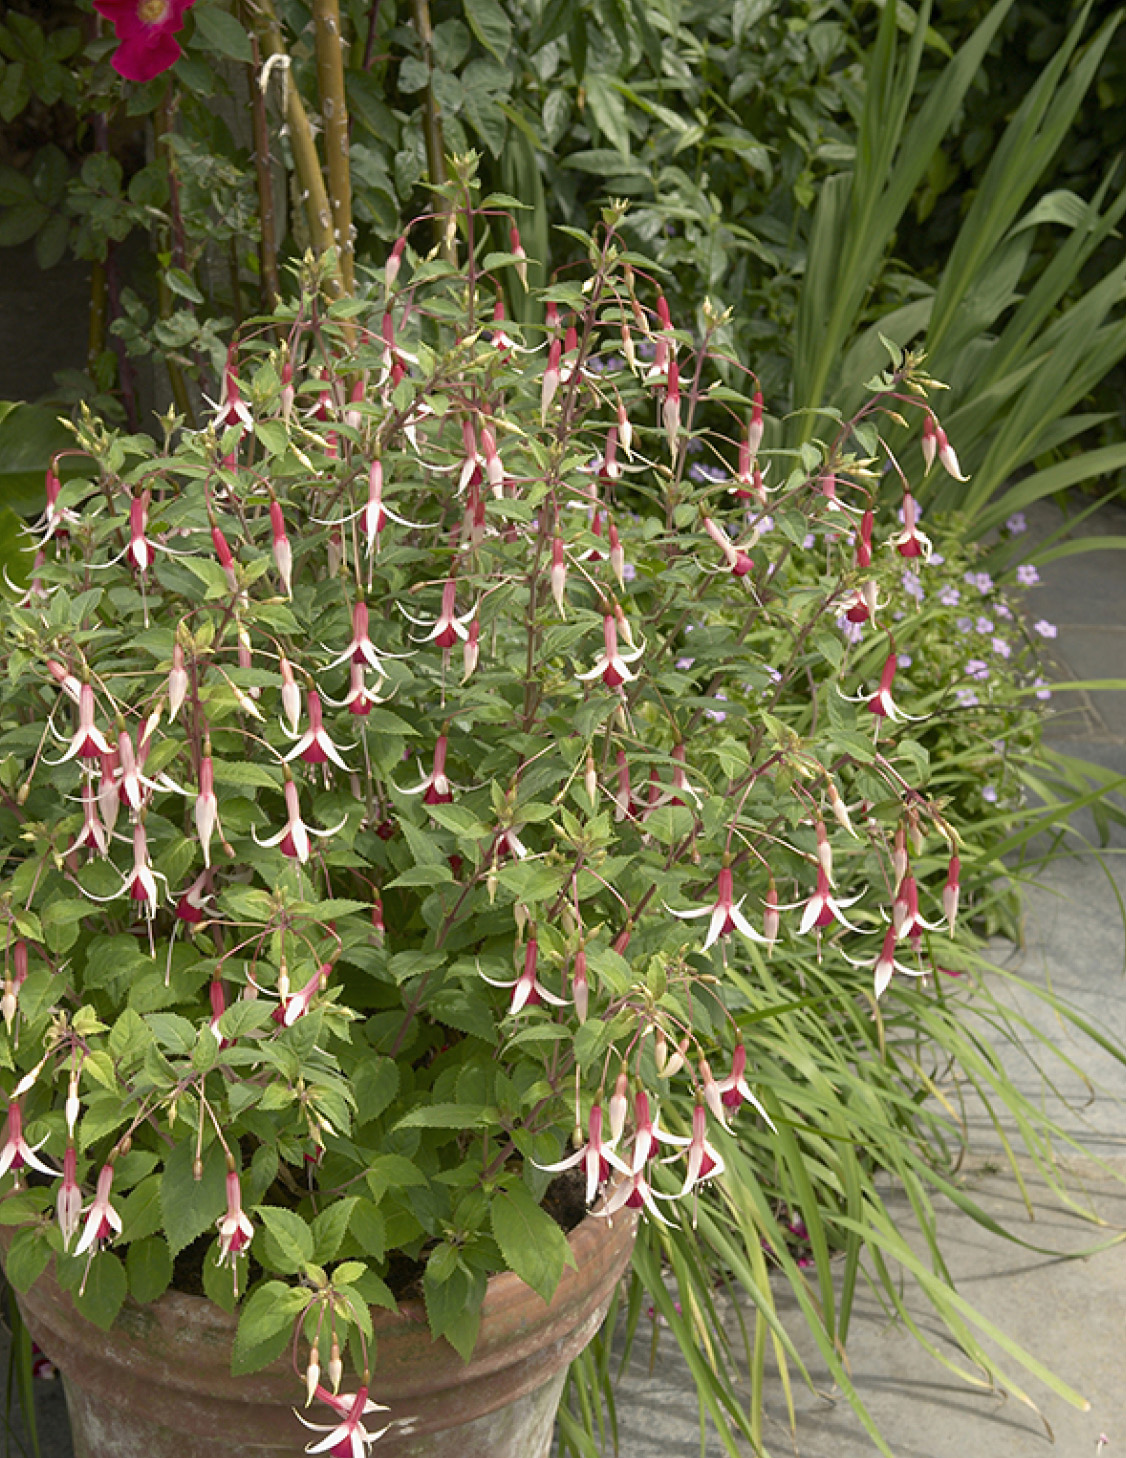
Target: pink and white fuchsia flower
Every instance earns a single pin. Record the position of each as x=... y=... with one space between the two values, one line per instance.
x=597 y=1157
x=725 y=914
x=16 y=1153
x=348 y=1438
x=611 y=666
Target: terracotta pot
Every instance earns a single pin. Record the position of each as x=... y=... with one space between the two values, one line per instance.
x=158 y=1385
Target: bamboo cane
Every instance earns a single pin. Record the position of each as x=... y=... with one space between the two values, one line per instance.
x=334 y=109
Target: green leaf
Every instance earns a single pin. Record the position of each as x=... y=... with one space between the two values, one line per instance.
x=374 y=1084
x=148 y=1264
x=530 y=1241
x=221 y=32
x=490 y=25
x=106 y=1289
x=369 y=1230
x=330 y=1227
x=265 y=1326
x=27 y=1257
x=608 y=110
x=288 y=1241
x=189 y=1206
x=449 y=1116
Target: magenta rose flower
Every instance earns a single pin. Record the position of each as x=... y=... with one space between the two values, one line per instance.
x=147 y=31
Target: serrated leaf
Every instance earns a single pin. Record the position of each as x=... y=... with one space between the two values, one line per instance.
x=189 y=1206
x=265 y=1326
x=330 y=1227
x=148 y=1264
x=288 y=1241
x=27 y=1257
x=530 y=1241
x=449 y=1116
x=105 y=1291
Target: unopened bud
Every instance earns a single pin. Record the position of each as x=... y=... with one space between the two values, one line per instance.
x=312 y=1375
x=197 y=1169
x=335 y=1366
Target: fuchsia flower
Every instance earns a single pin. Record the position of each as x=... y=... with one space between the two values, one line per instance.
x=347 y=1439
x=435 y=787
x=88 y=741
x=102 y=1220
x=724 y=912
x=911 y=542
x=206 y=809
x=885 y=965
x=596 y=1157
x=732 y=1092
x=823 y=908
x=146 y=31
x=293 y=838
x=449 y=626
x=16 y=1153
x=738 y=560
x=93 y=833
x=611 y=664
x=704 y=1162
x=528 y=990
x=235 y=1229
x=315 y=746
x=361 y=649
x=68 y=1204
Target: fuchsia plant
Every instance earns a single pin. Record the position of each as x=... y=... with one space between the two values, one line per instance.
x=361 y=792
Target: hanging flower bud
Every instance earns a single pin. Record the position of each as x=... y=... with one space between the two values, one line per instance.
x=394 y=263
x=670 y=410
x=947 y=458
x=283 y=552
x=590 y=781
x=899 y=861
x=290 y=694
x=864 y=540
x=206 y=810
x=516 y=248
x=471 y=649
x=313 y=1365
x=225 y=556
x=177 y=682
x=755 y=428
x=824 y=851
x=335 y=1366
x=559 y=576
x=951 y=892
x=625 y=431
x=551 y=378
x=617 y=555
x=930 y=442
x=580 y=986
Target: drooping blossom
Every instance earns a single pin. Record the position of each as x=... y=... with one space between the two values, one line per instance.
x=612 y=664
x=315 y=746
x=16 y=1153
x=597 y=1156
x=293 y=838
x=102 y=1220
x=348 y=1438
x=68 y=1202
x=449 y=625
x=911 y=542
x=435 y=788
x=704 y=1162
x=527 y=989
x=361 y=649
x=725 y=914
x=87 y=741
x=235 y=1229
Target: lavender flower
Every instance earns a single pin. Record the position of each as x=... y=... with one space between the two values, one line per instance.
x=990 y=794
x=966 y=697
x=1027 y=575
x=1042 y=689
x=905 y=660
x=717 y=715
x=981 y=580
x=1016 y=523
x=949 y=596
x=853 y=632
x=1044 y=628
x=1001 y=648
x=964 y=625
x=984 y=625
x=977 y=668
x=1003 y=611
x=912 y=586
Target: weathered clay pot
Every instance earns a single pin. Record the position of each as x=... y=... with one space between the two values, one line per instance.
x=158 y=1385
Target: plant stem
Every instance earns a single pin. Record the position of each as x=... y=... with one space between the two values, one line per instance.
x=268 y=242
x=305 y=160
x=432 y=134
x=163 y=120
x=334 y=109
x=369 y=44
